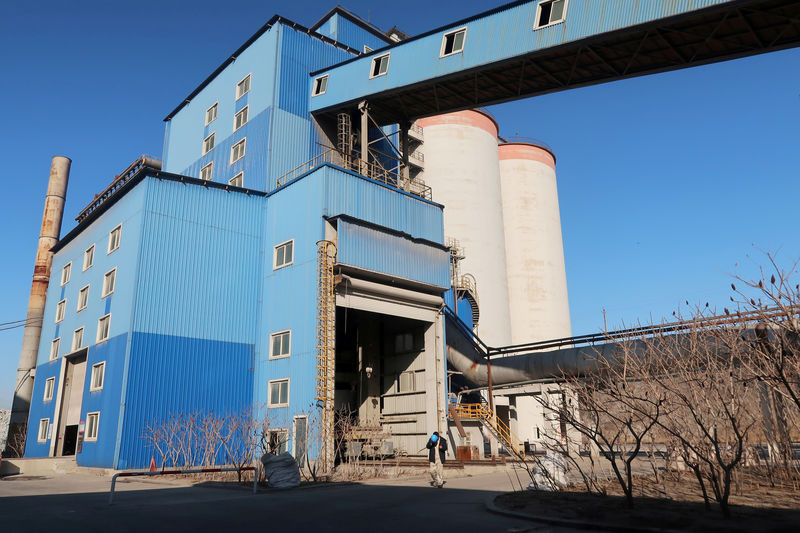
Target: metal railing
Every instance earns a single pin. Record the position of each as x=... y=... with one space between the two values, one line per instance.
x=479 y=411
x=119 y=180
x=367 y=169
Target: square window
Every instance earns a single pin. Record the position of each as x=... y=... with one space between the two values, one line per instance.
x=284 y=254
x=406 y=382
x=60 y=309
x=207 y=172
x=243 y=87
x=92 y=421
x=77 y=339
x=211 y=114
x=237 y=151
x=114 y=238
x=103 y=326
x=240 y=118
x=109 y=281
x=208 y=143
x=380 y=66
x=453 y=42
x=550 y=12
x=49 y=386
x=281 y=344
x=237 y=180
x=278 y=440
x=44 y=427
x=54 y=347
x=65 y=273
x=320 y=85
x=83 y=298
x=98 y=376
x=88 y=258
x=278 y=393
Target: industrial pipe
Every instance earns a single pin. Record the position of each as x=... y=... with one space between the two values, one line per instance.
x=48 y=237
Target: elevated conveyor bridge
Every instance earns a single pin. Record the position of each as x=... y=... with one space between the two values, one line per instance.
x=509 y=54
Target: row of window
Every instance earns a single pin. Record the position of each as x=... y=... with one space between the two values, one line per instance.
x=114 y=238
x=92 y=423
x=237 y=150
x=95 y=384
x=103 y=331
x=547 y=12
x=109 y=282
x=207 y=174
x=239 y=119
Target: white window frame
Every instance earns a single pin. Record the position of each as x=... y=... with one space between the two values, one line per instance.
x=80 y=344
x=552 y=22
x=318 y=83
x=249 y=85
x=239 y=175
x=215 y=107
x=113 y=286
x=44 y=424
x=368 y=49
x=86 y=302
x=269 y=392
x=375 y=60
x=97 y=369
x=296 y=439
x=88 y=436
x=444 y=41
x=208 y=146
x=275 y=265
x=86 y=253
x=55 y=347
x=49 y=388
x=108 y=332
x=243 y=143
x=66 y=273
x=110 y=239
x=282 y=432
x=272 y=354
x=61 y=310
x=210 y=168
x=246 y=111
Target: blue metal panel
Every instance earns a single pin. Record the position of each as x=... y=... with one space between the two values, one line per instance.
x=171 y=375
x=362 y=198
x=185 y=142
x=41 y=409
x=501 y=35
x=381 y=251
x=100 y=453
x=354 y=36
x=198 y=275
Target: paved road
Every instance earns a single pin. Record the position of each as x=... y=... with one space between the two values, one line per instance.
x=80 y=503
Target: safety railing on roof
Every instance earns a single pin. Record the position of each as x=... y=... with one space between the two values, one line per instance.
x=119 y=180
x=365 y=168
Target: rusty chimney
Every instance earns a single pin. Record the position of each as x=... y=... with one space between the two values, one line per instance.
x=48 y=237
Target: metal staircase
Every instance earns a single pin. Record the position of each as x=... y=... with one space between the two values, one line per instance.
x=326 y=350
x=498 y=428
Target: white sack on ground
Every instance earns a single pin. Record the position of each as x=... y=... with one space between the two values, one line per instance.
x=281 y=470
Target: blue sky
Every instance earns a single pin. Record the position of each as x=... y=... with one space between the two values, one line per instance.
x=668 y=184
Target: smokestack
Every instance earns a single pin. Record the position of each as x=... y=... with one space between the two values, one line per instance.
x=48 y=237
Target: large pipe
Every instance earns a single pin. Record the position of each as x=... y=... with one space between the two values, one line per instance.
x=48 y=237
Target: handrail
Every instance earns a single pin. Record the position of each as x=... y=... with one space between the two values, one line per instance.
x=119 y=180
x=367 y=169
x=478 y=411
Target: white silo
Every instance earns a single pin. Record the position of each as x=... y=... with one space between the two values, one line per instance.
x=462 y=168
x=537 y=279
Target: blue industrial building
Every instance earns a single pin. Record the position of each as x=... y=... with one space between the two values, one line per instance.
x=205 y=283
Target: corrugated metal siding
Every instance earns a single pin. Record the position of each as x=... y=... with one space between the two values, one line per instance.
x=346 y=194
x=380 y=251
x=173 y=375
x=499 y=36
x=41 y=409
x=198 y=275
x=355 y=36
x=107 y=401
x=184 y=145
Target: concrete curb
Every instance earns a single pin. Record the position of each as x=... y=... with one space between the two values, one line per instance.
x=493 y=508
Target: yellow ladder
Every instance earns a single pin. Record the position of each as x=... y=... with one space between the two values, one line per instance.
x=326 y=349
x=479 y=411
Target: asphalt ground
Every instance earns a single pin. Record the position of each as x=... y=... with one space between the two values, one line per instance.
x=76 y=502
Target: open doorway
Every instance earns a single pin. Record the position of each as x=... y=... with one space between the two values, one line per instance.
x=71 y=399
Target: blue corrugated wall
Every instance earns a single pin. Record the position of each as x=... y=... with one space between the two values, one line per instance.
x=347 y=32
x=398 y=255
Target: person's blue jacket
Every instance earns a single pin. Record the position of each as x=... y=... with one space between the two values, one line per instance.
x=440 y=443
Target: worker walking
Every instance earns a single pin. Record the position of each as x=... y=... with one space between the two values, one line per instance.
x=436 y=460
